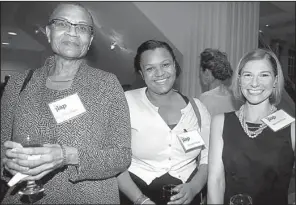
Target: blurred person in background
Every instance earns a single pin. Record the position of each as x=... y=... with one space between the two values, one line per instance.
x=216 y=74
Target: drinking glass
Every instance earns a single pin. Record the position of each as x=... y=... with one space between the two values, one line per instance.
x=167 y=192
x=240 y=199
x=29 y=141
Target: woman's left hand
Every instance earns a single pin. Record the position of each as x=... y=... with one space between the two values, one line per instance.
x=185 y=195
x=51 y=158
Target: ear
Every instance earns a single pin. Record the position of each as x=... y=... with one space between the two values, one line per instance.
x=91 y=39
x=209 y=75
x=47 y=30
x=275 y=81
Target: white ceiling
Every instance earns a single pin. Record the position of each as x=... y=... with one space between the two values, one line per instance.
x=120 y=21
x=280 y=16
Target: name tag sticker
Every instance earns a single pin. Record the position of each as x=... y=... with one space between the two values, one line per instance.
x=278 y=120
x=67 y=108
x=190 y=140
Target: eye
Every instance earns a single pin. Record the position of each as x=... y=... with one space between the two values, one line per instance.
x=149 y=68
x=264 y=75
x=83 y=28
x=165 y=65
x=247 y=75
x=61 y=24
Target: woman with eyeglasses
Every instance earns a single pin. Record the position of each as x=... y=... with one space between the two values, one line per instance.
x=246 y=156
x=76 y=116
x=169 y=139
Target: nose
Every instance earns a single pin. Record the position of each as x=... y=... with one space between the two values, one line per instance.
x=254 y=82
x=159 y=71
x=72 y=30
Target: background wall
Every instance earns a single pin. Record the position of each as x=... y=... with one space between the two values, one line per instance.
x=193 y=26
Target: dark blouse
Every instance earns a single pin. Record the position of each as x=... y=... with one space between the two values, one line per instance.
x=260 y=167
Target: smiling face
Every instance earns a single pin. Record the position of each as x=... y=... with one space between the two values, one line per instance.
x=158 y=70
x=69 y=43
x=257 y=81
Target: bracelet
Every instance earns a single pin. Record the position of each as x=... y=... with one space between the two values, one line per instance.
x=142 y=199
x=64 y=155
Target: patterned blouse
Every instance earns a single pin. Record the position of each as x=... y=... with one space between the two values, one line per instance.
x=101 y=134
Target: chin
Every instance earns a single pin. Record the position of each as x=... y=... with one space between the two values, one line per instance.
x=162 y=91
x=256 y=101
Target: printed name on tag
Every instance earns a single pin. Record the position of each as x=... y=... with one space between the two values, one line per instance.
x=67 y=108
x=278 y=120
x=190 y=140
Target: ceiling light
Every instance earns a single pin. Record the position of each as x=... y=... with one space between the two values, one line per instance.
x=113 y=45
x=12 y=33
x=5 y=43
x=266 y=25
x=260 y=31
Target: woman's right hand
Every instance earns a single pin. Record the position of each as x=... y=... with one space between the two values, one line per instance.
x=9 y=159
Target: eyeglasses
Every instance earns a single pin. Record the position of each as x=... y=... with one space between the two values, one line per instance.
x=65 y=25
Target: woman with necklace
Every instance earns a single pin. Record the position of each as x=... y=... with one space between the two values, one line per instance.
x=160 y=118
x=246 y=156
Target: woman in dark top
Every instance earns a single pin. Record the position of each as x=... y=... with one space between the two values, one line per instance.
x=246 y=156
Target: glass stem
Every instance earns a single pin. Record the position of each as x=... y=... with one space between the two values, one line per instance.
x=31 y=184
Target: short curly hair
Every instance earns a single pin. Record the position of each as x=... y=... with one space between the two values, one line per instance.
x=217 y=62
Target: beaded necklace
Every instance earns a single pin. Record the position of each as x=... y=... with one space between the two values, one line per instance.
x=259 y=130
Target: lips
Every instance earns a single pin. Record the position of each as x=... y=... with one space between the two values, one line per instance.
x=70 y=43
x=161 y=81
x=255 y=92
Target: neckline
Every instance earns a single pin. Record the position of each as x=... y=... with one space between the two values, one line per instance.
x=143 y=92
x=59 y=84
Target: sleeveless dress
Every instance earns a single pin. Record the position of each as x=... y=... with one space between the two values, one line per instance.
x=260 y=167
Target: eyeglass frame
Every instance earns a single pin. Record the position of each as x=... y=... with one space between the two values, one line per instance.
x=72 y=24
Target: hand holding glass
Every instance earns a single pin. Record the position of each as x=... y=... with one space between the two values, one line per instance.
x=32 y=187
x=167 y=192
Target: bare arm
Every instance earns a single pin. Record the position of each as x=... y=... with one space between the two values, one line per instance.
x=216 y=178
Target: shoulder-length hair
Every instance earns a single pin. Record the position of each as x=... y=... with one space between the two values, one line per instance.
x=260 y=54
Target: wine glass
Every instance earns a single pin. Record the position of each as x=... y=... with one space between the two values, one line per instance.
x=167 y=192
x=241 y=199
x=28 y=141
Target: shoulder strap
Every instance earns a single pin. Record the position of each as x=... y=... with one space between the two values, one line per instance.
x=27 y=79
x=196 y=110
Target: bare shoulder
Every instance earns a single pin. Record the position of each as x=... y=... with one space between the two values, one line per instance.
x=217 y=126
